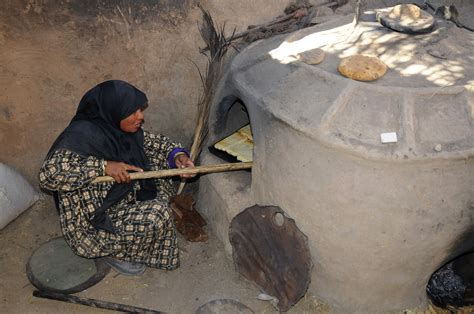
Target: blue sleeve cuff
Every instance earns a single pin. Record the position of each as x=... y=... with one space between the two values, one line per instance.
x=173 y=154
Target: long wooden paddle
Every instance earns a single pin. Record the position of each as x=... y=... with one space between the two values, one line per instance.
x=177 y=172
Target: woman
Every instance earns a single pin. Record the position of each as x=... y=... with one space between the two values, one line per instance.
x=127 y=222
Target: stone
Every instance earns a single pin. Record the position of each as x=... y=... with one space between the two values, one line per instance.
x=224 y=306
x=54 y=267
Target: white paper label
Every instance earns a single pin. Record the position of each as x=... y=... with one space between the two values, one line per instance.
x=390 y=137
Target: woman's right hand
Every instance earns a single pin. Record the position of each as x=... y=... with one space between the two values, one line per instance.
x=119 y=171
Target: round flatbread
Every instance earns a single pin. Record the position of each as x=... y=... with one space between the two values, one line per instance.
x=406 y=18
x=362 y=68
x=313 y=56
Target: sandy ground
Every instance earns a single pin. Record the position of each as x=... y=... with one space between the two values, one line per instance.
x=206 y=274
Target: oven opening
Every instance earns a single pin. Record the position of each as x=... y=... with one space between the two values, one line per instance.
x=233 y=139
x=452 y=285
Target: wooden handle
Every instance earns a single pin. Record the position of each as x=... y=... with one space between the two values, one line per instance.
x=91 y=302
x=177 y=172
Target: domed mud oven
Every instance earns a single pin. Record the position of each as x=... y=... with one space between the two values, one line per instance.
x=380 y=217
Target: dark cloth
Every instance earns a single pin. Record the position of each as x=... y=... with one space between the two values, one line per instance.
x=95 y=131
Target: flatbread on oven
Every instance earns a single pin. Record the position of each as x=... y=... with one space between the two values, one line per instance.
x=362 y=68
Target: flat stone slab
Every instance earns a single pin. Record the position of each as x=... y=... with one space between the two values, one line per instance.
x=224 y=306
x=54 y=267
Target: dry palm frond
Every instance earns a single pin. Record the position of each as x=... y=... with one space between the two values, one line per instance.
x=217 y=45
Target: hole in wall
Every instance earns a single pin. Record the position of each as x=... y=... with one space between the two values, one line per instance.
x=278 y=219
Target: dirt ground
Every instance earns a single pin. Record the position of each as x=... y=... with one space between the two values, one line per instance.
x=206 y=274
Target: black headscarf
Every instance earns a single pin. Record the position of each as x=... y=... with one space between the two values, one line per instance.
x=95 y=131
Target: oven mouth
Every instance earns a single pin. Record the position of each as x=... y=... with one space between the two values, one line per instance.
x=231 y=114
x=233 y=138
x=452 y=285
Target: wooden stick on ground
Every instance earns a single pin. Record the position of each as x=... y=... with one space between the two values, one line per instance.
x=92 y=302
x=177 y=172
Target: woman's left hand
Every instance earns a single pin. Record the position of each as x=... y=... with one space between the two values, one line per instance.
x=183 y=161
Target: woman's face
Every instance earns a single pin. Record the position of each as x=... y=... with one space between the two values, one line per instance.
x=133 y=122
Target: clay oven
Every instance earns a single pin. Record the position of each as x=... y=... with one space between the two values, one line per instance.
x=380 y=217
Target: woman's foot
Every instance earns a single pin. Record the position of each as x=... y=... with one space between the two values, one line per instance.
x=125 y=268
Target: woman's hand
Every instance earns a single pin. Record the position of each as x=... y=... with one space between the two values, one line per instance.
x=119 y=171
x=183 y=161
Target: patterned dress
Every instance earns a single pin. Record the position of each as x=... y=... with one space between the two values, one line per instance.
x=145 y=230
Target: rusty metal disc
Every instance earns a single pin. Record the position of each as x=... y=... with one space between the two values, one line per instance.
x=269 y=250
